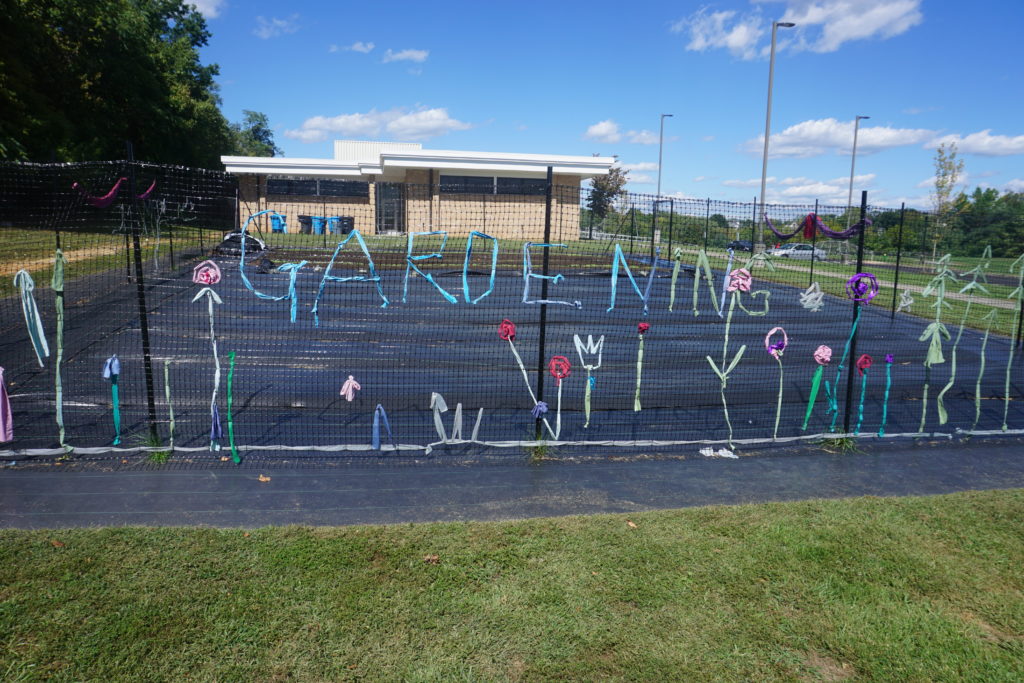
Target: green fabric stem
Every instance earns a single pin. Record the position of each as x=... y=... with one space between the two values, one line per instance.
x=115 y=399
x=981 y=369
x=57 y=284
x=639 y=373
x=778 y=406
x=815 y=387
x=231 y=419
x=833 y=392
x=170 y=406
x=885 y=400
x=860 y=406
x=586 y=399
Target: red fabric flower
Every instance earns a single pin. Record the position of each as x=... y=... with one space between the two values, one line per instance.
x=507 y=330
x=559 y=367
x=206 y=273
x=643 y=327
x=863 y=363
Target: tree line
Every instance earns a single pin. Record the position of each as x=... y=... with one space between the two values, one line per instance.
x=79 y=78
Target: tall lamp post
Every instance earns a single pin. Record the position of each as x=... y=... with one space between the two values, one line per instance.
x=767 y=132
x=853 y=164
x=661 y=139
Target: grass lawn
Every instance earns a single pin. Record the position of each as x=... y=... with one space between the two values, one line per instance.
x=886 y=589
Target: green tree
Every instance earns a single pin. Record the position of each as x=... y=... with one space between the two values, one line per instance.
x=78 y=78
x=948 y=170
x=605 y=189
x=253 y=136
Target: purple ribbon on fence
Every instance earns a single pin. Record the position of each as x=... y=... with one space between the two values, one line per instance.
x=824 y=229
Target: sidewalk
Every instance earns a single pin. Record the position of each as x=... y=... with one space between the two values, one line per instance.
x=32 y=498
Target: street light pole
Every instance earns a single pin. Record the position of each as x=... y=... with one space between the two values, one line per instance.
x=661 y=139
x=767 y=132
x=853 y=163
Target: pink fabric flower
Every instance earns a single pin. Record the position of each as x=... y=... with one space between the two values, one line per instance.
x=559 y=367
x=863 y=363
x=206 y=273
x=507 y=330
x=643 y=327
x=823 y=354
x=349 y=388
x=739 y=279
x=776 y=348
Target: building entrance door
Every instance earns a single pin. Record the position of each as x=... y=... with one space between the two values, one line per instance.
x=390 y=208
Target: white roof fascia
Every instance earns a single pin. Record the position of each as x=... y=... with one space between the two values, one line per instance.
x=295 y=166
x=489 y=161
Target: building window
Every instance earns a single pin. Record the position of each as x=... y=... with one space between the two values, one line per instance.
x=534 y=186
x=318 y=187
x=468 y=184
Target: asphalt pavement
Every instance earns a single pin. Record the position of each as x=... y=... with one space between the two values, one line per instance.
x=260 y=494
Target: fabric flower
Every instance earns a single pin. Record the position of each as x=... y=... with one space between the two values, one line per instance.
x=776 y=348
x=507 y=330
x=206 y=273
x=539 y=410
x=863 y=363
x=823 y=355
x=559 y=367
x=643 y=327
x=862 y=287
x=889 y=359
x=739 y=279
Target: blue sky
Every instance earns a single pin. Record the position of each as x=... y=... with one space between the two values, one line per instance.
x=594 y=77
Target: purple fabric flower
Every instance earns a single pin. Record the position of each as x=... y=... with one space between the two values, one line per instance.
x=862 y=287
x=889 y=359
x=539 y=410
x=776 y=348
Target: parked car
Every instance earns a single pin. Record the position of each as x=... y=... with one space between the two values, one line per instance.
x=798 y=251
x=232 y=244
x=741 y=245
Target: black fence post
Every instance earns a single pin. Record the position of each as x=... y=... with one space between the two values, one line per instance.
x=671 y=214
x=542 y=332
x=654 y=229
x=140 y=288
x=707 y=223
x=814 y=244
x=753 y=227
x=856 y=312
x=899 y=256
x=632 y=227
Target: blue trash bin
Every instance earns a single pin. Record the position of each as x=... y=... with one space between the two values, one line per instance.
x=319 y=222
x=278 y=223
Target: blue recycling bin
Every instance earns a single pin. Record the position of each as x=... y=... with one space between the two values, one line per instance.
x=278 y=223
x=319 y=222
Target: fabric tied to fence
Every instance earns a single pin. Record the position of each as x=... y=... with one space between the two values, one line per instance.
x=6 y=423
x=811 y=222
x=36 y=334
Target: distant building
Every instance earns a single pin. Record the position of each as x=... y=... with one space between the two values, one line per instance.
x=396 y=187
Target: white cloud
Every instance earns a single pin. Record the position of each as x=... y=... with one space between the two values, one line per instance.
x=641 y=179
x=398 y=123
x=273 y=27
x=818 y=136
x=708 y=138
x=208 y=8
x=423 y=124
x=1015 y=185
x=821 y=26
x=641 y=166
x=418 y=56
x=642 y=137
x=603 y=131
x=360 y=46
x=699 y=179
x=983 y=143
x=710 y=30
x=753 y=182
